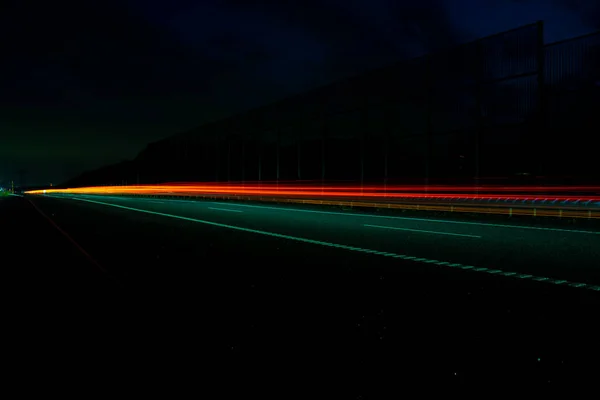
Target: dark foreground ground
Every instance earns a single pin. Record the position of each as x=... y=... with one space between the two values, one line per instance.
x=184 y=305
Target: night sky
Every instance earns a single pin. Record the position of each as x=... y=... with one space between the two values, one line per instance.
x=88 y=83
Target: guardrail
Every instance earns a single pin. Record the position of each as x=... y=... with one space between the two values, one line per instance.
x=517 y=210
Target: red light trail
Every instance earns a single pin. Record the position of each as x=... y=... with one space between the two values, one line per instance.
x=371 y=192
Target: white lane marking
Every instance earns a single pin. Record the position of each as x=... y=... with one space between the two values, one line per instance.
x=367 y=215
x=413 y=219
x=360 y=215
x=358 y=249
x=422 y=231
x=95 y=196
x=224 y=209
x=157 y=202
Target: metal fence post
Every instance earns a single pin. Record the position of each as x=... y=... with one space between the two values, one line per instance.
x=386 y=144
x=259 y=165
x=363 y=134
x=323 y=149
x=479 y=125
x=229 y=159
x=298 y=156
x=429 y=121
x=541 y=81
x=362 y=153
x=243 y=159
x=217 y=157
x=277 y=149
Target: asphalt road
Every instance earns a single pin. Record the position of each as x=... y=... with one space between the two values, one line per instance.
x=281 y=299
x=559 y=253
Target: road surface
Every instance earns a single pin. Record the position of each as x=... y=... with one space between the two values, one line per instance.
x=558 y=254
x=258 y=294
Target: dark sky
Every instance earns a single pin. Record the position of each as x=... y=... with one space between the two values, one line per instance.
x=86 y=83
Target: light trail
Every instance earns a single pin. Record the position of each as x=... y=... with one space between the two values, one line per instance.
x=374 y=192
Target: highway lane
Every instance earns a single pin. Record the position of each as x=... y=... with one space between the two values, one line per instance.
x=254 y=308
x=558 y=253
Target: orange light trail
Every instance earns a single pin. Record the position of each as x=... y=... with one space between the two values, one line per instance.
x=395 y=192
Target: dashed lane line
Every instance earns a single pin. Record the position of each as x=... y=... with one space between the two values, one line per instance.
x=561 y=282
x=421 y=231
x=224 y=209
